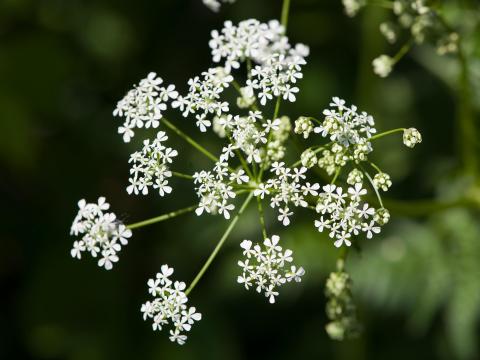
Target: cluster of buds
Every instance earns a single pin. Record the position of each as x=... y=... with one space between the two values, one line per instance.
x=340 y=309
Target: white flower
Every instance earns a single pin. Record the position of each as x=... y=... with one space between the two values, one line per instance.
x=150 y=167
x=214 y=188
x=144 y=105
x=411 y=137
x=285 y=189
x=343 y=214
x=101 y=232
x=169 y=306
x=266 y=267
x=382 y=181
x=277 y=63
x=382 y=65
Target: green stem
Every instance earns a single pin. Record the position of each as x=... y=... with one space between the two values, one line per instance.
x=181 y=175
x=335 y=177
x=161 y=217
x=285 y=11
x=378 y=136
x=277 y=108
x=190 y=140
x=374 y=188
x=403 y=50
x=262 y=218
x=219 y=245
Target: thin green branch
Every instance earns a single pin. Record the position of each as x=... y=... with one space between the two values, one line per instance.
x=220 y=244
x=190 y=140
x=262 y=218
x=285 y=12
x=385 y=133
x=181 y=175
x=161 y=217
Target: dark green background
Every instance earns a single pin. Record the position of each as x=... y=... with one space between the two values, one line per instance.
x=63 y=66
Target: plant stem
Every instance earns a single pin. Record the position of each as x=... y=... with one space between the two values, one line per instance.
x=181 y=175
x=277 y=108
x=378 y=136
x=374 y=188
x=220 y=243
x=262 y=218
x=161 y=217
x=285 y=11
x=335 y=177
x=403 y=50
x=190 y=140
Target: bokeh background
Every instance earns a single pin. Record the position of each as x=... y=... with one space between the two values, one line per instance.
x=63 y=66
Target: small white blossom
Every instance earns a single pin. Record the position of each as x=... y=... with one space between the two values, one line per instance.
x=349 y=132
x=285 y=188
x=411 y=137
x=169 y=306
x=143 y=106
x=382 y=181
x=383 y=65
x=100 y=231
x=344 y=215
x=150 y=167
x=265 y=267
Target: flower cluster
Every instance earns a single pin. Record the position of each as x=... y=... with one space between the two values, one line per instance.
x=383 y=65
x=349 y=132
x=285 y=188
x=341 y=309
x=266 y=267
x=278 y=64
x=214 y=5
x=203 y=98
x=411 y=137
x=169 y=306
x=215 y=189
x=343 y=214
x=143 y=105
x=101 y=232
x=150 y=167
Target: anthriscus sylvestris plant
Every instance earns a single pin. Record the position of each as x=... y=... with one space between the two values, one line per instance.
x=252 y=168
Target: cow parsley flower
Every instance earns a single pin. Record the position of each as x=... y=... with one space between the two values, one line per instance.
x=411 y=137
x=100 y=231
x=382 y=181
x=286 y=189
x=343 y=214
x=215 y=188
x=203 y=98
x=150 y=167
x=277 y=65
x=349 y=132
x=267 y=267
x=143 y=106
x=169 y=306
x=383 y=65
x=304 y=126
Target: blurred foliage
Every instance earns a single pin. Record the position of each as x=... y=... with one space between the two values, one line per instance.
x=63 y=66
